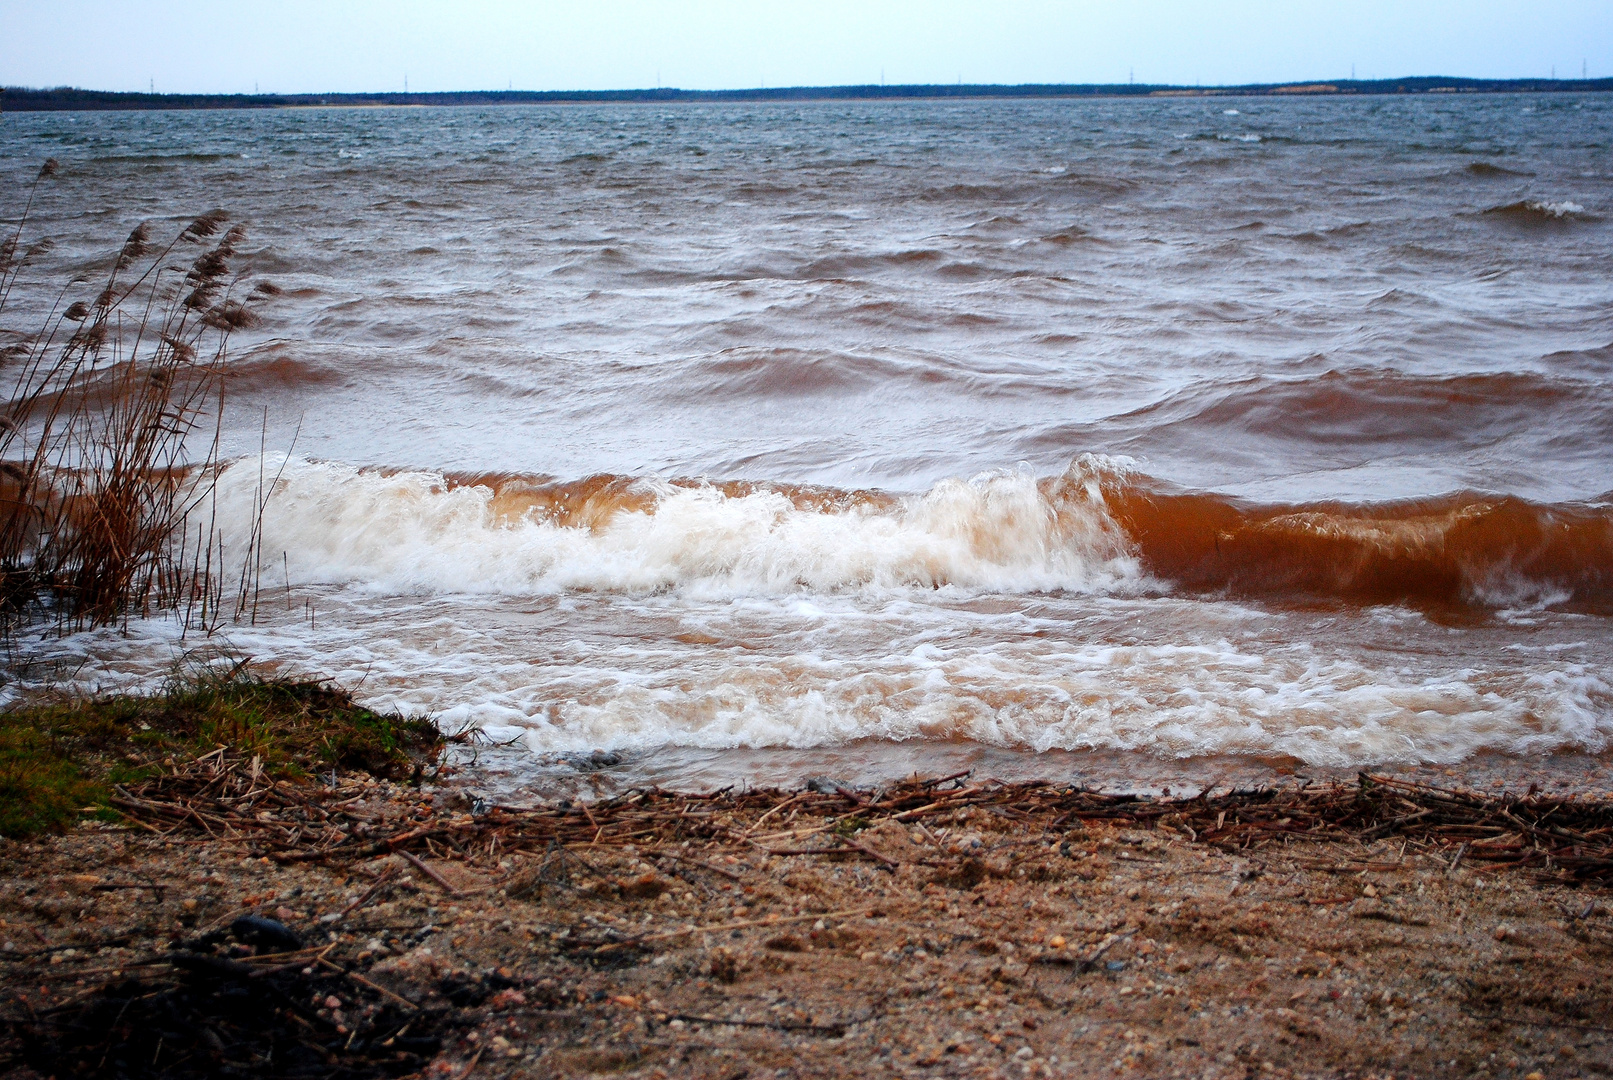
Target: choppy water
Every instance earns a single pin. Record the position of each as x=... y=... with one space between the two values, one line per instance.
x=1188 y=429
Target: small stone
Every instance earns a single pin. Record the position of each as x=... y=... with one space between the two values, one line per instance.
x=1503 y=932
x=1057 y=942
x=333 y=1002
x=1369 y=890
x=1024 y=1053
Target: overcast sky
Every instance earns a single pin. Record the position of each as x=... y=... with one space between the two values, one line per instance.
x=290 y=46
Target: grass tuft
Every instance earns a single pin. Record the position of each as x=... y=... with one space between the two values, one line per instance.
x=60 y=760
x=41 y=787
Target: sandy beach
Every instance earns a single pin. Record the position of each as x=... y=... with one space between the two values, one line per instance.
x=982 y=931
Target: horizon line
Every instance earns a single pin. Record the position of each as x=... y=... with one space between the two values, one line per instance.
x=70 y=98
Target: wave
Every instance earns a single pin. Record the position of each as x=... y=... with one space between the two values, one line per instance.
x=417 y=531
x=786 y=373
x=1486 y=169
x=1538 y=211
x=1596 y=361
x=1098 y=527
x=1073 y=234
x=1457 y=551
x=162 y=159
x=1384 y=407
x=272 y=370
x=849 y=265
x=1337 y=417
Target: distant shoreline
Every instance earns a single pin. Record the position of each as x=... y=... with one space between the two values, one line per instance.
x=60 y=99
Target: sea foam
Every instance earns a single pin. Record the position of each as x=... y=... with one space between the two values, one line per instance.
x=418 y=532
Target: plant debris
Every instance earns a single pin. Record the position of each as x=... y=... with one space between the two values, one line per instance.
x=346 y=924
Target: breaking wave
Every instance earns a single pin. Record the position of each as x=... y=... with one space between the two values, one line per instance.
x=1537 y=210
x=419 y=531
x=1099 y=527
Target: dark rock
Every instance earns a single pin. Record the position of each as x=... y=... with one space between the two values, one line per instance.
x=266 y=935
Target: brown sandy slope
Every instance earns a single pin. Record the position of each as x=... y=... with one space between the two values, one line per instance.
x=779 y=934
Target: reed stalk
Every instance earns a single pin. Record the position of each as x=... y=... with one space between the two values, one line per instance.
x=101 y=481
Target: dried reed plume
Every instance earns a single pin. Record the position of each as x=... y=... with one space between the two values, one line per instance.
x=98 y=480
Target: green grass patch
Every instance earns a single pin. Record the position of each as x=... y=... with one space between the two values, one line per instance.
x=57 y=759
x=41 y=787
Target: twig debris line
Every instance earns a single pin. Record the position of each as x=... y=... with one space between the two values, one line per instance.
x=1560 y=838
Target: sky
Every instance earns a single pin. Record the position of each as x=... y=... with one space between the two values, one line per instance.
x=313 y=46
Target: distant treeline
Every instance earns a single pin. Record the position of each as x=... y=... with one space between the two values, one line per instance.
x=23 y=99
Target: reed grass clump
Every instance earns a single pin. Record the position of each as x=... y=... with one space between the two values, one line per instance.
x=109 y=435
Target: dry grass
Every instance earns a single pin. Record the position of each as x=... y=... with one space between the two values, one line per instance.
x=109 y=438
